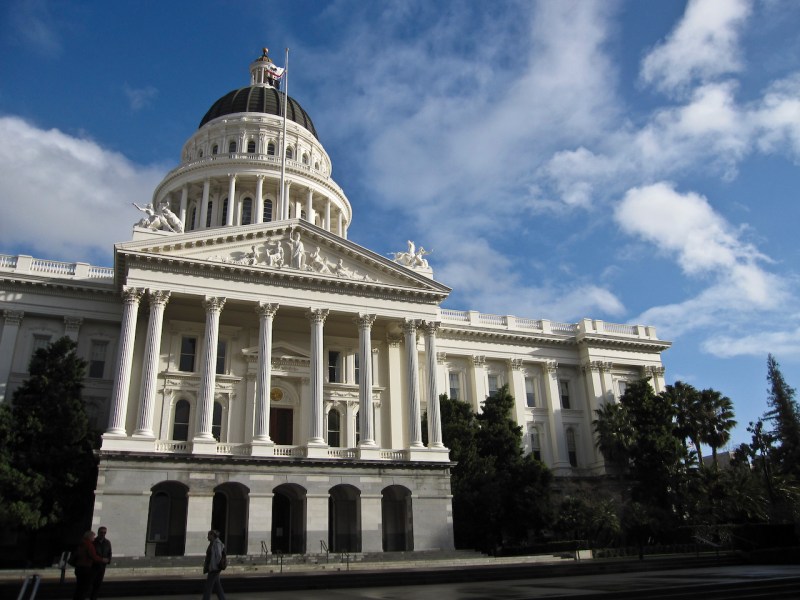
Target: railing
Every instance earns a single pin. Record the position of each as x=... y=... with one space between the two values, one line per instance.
x=101 y=273
x=173 y=447
x=493 y=319
x=342 y=453
x=393 y=454
x=8 y=262
x=460 y=316
x=53 y=266
x=77 y=270
x=618 y=328
x=569 y=328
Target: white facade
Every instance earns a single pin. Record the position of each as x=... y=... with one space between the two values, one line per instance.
x=260 y=373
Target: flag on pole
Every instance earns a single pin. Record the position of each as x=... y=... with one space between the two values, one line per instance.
x=275 y=71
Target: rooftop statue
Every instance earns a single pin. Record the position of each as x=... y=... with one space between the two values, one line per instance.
x=413 y=258
x=161 y=219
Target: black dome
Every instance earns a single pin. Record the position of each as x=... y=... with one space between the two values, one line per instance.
x=258 y=99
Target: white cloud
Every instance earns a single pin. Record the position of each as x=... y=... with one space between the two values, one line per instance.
x=140 y=98
x=702 y=46
x=785 y=343
x=32 y=24
x=66 y=197
x=704 y=244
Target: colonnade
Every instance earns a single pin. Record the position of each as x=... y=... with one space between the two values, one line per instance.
x=284 y=206
x=266 y=312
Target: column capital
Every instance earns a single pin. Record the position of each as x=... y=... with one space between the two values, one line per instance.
x=365 y=321
x=266 y=309
x=515 y=364
x=158 y=297
x=131 y=295
x=441 y=357
x=261 y=176
x=410 y=326
x=552 y=367
x=478 y=360
x=213 y=304
x=317 y=315
x=430 y=327
x=13 y=317
x=393 y=341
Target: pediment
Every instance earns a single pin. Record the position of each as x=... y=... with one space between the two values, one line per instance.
x=291 y=249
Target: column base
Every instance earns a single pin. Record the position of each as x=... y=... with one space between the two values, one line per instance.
x=369 y=453
x=317 y=450
x=429 y=454
x=262 y=448
x=203 y=446
x=123 y=443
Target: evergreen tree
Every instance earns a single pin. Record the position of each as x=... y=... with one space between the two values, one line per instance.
x=785 y=416
x=499 y=494
x=47 y=469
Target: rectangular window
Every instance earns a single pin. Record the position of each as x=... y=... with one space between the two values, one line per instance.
x=222 y=348
x=572 y=448
x=563 y=388
x=188 y=352
x=536 y=444
x=623 y=386
x=97 y=359
x=357 y=368
x=40 y=342
x=334 y=367
x=530 y=392
x=267 y=214
x=494 y=384
x=455 y=386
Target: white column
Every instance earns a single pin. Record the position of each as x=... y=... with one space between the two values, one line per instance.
x=365 y=413
x=517 y=388
x=12 y=320
x=144 y=425
x=309 y=205
x=327 y=214
x=231 y=196
x=395 y=393
x=266 y=312
x=317 y=317
x=208 y=376
x=259 y=199
x=122 y=378
x=72 y=326
x=412 y=364
x=286 y=199
x=341 y=224
x=204 y=204
x=434 y=414
x=184 y=204
x=556 y=421
x=478 y=386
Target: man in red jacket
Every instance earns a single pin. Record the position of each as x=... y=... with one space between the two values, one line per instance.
x=85 y=557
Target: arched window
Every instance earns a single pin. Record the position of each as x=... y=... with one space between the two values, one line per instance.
x=271 y=149
x=305 y=158
x=267 y=216
x=571 y=447
x=209 y=206
x=200 y=154
x=251 y=147
x=289 y=153
x=247 y=211
x=193 y=219
x=334 y=428
x=316 y=166
x=216 y=421
x=232 y=147
x=180 y=426
x=224 y=212
x=215 y=149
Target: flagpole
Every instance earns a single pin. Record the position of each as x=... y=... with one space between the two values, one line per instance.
x=284 y=199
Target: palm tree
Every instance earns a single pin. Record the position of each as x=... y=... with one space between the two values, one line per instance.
x=686 y=401
x=717 y=422
x=614 y=434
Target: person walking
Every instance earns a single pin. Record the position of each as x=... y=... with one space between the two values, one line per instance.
x=103 y=548
x=85 y=557
x=212 y=566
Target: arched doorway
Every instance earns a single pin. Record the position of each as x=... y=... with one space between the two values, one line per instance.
x=344 y=519
x=166 y=519
x=229 y=516
x=289 y=519
x=397 y=517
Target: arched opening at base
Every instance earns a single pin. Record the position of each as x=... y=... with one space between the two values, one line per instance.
x=397 y=516
x=166 y=519
x=344 y=519
x=289 y=519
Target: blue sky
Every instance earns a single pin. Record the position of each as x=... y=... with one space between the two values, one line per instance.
x=628 y=161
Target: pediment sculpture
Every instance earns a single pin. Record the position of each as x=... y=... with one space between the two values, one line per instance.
x=289 y=253
x=413 y=258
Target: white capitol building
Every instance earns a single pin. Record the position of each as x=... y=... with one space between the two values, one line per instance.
x=257 y=372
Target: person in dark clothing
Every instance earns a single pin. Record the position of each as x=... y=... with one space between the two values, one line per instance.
x=85 y=557
x=103 y=548
x=212 y=566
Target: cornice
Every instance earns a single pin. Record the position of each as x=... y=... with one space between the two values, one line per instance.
x=602 y=341
x=448 y=331
x=59 y=287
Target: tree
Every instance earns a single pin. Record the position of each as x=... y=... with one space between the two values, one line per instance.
x=48 y=469
x=685 y=399
x=499 y=494
x=785 y=416
x=717 y=421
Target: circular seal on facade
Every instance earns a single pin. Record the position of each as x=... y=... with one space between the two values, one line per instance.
x=276 y=394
